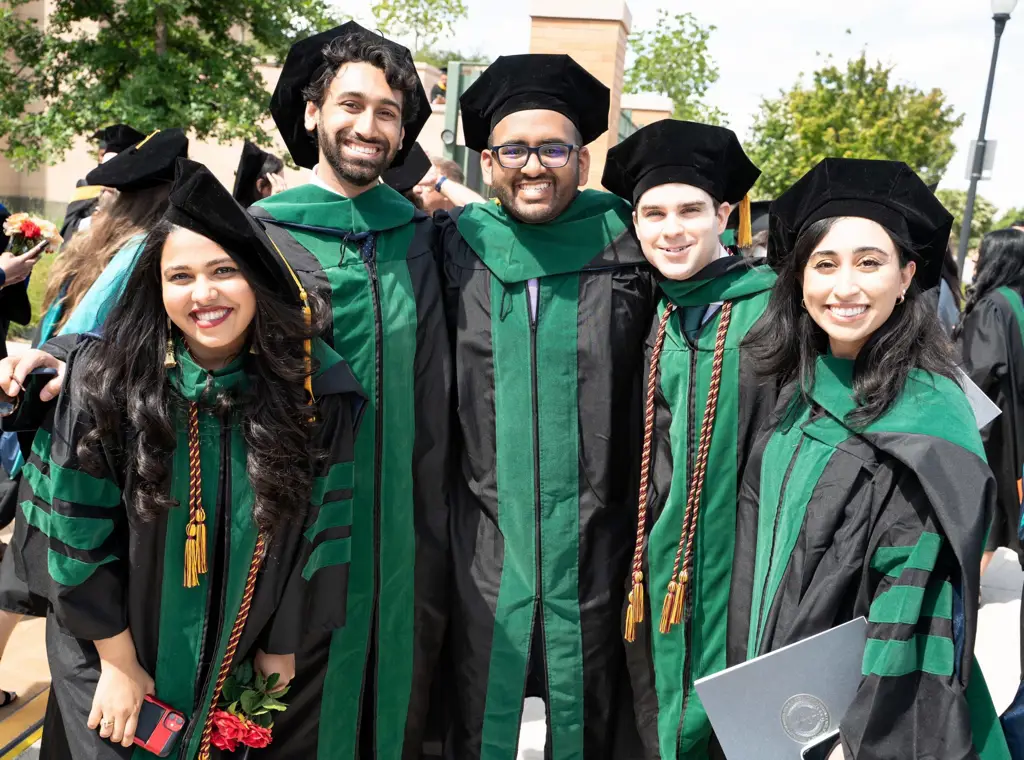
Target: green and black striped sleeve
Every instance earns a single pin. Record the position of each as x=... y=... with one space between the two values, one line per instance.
x=315 y=595
x=912 y=702
x=71 y=534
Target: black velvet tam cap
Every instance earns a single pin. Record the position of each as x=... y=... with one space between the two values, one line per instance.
x=886 y=192
x=147 y=164
x=680 y=152
x=405 y=177
x=249 y=167
x=118 y=137
x=304 y=63
x=530 y=82
x=200 y=203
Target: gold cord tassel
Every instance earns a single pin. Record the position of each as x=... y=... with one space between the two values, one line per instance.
x=635 y=613
x=169 y=360
x=668 y=606
x=677 y=605
x=195 y=532
x=744 y=235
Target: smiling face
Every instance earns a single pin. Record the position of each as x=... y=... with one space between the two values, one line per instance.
x=535 y=194
x=852 y=282
x=359 y=127
x=206 y=296
x=678 y=228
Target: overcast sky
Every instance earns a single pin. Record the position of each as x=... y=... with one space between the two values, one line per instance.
x=762 y=46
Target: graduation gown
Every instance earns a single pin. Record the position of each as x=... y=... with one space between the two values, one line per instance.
x=104 y=568
x=993 y=356
x=543 y=495
x=373 y=258
x=887 y=524
x=663 y=666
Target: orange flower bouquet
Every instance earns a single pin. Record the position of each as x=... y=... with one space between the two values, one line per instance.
x=26 y=232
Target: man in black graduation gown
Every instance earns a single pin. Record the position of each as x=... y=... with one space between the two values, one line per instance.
x=112 y=140
x=549 y=299
x=349 y=104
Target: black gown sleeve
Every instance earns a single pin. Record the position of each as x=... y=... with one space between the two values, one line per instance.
x=991 y=349
x=913 y=699
x=316 y=593
x=71 y=532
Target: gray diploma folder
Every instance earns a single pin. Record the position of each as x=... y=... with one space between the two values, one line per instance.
x=768 y=708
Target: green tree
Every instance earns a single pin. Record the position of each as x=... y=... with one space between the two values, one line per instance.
x=859 y=112
x=982 y=221
x=425 y=21
x=672 y=59
x=148 y=63
x=1008 y=218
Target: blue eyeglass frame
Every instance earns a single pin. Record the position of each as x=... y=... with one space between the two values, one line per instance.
x=495 y=149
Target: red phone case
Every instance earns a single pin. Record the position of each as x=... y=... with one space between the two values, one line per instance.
x=168 y=726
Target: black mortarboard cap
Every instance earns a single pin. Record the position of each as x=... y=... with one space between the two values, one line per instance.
x=529 y=82
x=199 y=202
x=683 y=152
x=118 y=137
x=249 y=167
x=147 y=164
x=304 y=63
x=758 y=217
x=405 y=177
x=886 y=192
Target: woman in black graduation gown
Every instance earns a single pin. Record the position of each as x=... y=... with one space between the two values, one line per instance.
x=183 y=462
x=990 y=341
x=868 y=494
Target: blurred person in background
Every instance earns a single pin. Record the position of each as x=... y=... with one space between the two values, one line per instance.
x=991 y=344
x=259 y=175
x=439 y=92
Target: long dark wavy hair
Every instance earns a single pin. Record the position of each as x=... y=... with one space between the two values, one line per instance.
x=1000 y=263
x=126 y=387
x=787 y=341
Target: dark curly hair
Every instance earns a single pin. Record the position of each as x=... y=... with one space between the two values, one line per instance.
x=786 y=342
x=397 y=66
x=125 y=386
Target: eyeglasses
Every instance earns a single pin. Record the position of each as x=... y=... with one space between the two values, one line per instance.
x=550 y=155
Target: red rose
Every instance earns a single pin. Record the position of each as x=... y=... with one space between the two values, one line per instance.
x=228 y=730
x=30 y=230
x=256 y=737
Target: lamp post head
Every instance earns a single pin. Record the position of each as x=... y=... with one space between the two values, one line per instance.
x=1003 y=8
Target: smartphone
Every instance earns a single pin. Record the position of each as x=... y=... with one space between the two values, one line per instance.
x=159 y=727
x=34 y=383
x=821 y=748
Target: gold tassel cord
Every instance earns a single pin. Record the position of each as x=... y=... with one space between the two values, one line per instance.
x=744 y=235
x=195 y=532
x=675 y=597
x=635 y=611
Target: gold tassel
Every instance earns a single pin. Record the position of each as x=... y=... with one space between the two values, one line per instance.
x=635 y=613
x=677 y=605
x=744 y=236
x=668 y=606
x=195 y=531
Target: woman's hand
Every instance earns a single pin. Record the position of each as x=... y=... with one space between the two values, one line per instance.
x=282 y=664
x=18 y=268
x=122 y=686
x=14 y=371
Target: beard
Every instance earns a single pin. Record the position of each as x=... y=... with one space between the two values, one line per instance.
x=356 y=171
x=562 y=196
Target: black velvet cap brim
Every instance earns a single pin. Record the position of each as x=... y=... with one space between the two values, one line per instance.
x=149 y=163
x=405 y=177
x=249 y=167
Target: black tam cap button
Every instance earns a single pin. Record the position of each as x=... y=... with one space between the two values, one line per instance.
x=680 y=152
x=304 y=63
x=149 y=163
x=886 y=192
x=530 y=82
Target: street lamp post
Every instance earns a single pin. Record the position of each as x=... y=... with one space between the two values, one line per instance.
x=1001 y=10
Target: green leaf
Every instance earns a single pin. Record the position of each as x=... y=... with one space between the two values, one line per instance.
x=251 y=702
x=272 y=681
x=266 y=720
x=261 y=682
x=274 y=704
x=244 y=673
